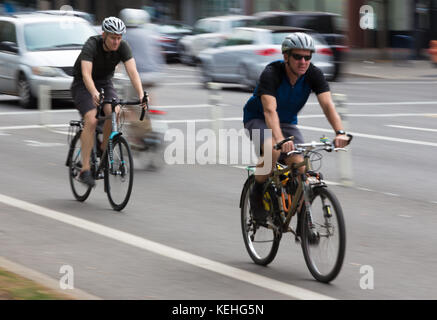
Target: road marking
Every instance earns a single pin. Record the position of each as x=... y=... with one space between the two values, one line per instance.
x=411 y=128
x=404 y=216
x=34 y=126
x=388 y=82
x=371 y=136
x=169 y=252
x=33 y=143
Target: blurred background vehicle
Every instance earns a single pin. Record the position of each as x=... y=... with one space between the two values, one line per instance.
x=242 y=57
x=40 y=49
x=81 y=14
x=169 y=36
x=324 y=23
x=207 y=32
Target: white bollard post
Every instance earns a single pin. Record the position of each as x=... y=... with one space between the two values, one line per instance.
x=345 y=157
x=216 y=114
x=44 y=104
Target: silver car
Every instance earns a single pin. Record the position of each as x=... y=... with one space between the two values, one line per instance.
x=242 y=57
x=208 y=32
x=40 y=49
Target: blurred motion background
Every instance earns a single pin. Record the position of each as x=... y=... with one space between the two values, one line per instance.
x=179 y=30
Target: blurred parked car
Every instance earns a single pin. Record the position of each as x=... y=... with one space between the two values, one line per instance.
x=81 y=14
x=242 y=57
x=325 y=23
x=207 y=32
x=169 y=36
x=40 y=49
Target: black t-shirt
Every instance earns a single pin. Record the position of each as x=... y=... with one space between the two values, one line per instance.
x=289 y=99
x=104 y=62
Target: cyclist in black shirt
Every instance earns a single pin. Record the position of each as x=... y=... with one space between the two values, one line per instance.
x=283 y=90
x=93 y=70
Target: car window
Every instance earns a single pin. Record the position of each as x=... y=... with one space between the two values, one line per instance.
x=56 y=35
x=172 y=29
x=240 y=37
x=271 y=21
x=206 y=26
x=241 y=23
x=321 y=24
x=278 y=37
x=7 y=32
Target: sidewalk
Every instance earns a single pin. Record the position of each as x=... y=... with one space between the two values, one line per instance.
x=395 y=66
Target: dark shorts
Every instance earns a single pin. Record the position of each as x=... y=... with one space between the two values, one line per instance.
x=83 y=99
x=287 y=130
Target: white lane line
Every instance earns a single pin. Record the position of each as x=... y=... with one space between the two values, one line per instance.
x=411 y=128
x=388 y=82
x=19 y=113
x=34 y=126
x=164 y=84
x=169 y=252
x=371 y=136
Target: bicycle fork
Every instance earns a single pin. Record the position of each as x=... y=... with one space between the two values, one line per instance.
x=313 y=234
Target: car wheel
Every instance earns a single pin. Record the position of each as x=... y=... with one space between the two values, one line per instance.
x=27 y=100
x=185 y=58
x=245 y=80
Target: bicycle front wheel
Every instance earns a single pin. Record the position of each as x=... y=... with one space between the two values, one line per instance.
x=80 y=190
x=261 y=243
x=324 y=244
x=119 y=174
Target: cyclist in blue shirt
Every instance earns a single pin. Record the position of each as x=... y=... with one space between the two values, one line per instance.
x=283 y=90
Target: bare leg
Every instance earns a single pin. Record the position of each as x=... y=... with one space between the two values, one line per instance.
x=87 y=138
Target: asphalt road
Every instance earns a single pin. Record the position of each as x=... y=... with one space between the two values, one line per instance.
x=180 y=235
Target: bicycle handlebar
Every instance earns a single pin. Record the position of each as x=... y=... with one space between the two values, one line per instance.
x=303 y=147
x=115 y=102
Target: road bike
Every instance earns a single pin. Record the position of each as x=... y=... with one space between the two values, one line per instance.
x=114 y=164
x=290 y=192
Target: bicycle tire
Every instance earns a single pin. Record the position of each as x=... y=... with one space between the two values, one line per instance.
x=80 y=190
x=247 y=228
x=310 y=244
x=117 y=189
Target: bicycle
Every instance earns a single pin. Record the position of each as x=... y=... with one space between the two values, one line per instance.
x=114 y=164
x=320 y=224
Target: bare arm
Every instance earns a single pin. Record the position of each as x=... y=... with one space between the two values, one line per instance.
x=328 y=107
x=271 y=116
x=87 y=68
x=131 y=69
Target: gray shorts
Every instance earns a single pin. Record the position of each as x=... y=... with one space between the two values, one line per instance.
x=83 y=99
x=260 y=124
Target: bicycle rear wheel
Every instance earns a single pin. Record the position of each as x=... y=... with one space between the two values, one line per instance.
x=324 y=246
x=261 y=243
x=80 y=190
x=119 y=175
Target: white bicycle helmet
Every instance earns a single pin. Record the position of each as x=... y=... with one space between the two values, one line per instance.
x=113 y=25
x=298 y=40
x=134 y=17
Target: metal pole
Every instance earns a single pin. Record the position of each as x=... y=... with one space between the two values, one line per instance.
x=345 y=157
x=216 y=114
x=44 y=104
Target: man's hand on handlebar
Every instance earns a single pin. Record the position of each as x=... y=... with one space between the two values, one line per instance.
x=342 y=140
x=287 y=147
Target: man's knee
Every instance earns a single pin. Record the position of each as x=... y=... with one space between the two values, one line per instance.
x=90 y=119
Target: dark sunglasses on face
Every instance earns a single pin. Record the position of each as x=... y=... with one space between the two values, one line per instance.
x=299 y=57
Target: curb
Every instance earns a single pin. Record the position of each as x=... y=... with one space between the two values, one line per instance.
x=43 y=280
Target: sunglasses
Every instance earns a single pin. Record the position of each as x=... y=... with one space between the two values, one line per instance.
x=299 y=57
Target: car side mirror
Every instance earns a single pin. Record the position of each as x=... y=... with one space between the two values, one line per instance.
x=9 y=46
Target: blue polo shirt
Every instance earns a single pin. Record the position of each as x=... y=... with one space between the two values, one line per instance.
x=289 y=99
